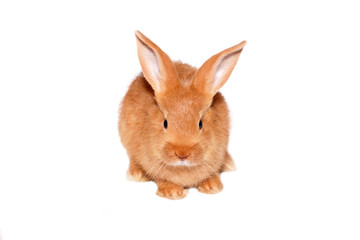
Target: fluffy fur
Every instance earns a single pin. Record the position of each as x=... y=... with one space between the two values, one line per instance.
x=182 y=155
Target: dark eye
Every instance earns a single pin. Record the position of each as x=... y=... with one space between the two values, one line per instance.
x=165 y=124
x=200 y=124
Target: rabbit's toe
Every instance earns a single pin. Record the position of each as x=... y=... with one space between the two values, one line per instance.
x=211 y=185
x=171 y=191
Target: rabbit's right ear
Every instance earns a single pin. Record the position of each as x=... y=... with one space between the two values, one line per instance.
x=157 y=67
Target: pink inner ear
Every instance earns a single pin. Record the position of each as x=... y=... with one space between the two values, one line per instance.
x=152 y=68
x=224 y=68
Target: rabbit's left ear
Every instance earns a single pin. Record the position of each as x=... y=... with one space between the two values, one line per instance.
x=214 y=73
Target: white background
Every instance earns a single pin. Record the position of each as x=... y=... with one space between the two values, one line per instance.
x=294 y=100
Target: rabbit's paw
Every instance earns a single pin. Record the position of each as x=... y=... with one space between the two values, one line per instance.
x=136 y=174
x=170 y=190
x=211 y=185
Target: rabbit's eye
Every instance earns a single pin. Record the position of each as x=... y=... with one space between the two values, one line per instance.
x=165 y=124
x=200 y=124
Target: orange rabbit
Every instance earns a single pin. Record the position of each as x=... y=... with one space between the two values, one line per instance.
x=174 y=123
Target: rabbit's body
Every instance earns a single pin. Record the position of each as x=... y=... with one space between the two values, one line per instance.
x=174 y=123
x=138 y=111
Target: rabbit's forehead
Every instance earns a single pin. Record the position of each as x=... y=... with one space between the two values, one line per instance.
x=184 y=103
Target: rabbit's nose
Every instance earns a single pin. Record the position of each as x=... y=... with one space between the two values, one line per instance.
x=182 y=156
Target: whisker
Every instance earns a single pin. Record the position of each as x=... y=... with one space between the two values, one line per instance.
x=212 y=169
x=146 y=174
x=159 y=169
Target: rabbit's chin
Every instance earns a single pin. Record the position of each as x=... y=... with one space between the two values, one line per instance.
x=182 y=163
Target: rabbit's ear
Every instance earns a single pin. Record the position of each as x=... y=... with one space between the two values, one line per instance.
x=157 y=67
x=214 y=73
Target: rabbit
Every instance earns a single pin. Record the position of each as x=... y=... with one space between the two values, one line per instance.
x=173 y=122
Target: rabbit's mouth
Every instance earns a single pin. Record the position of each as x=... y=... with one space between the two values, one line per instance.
x=182 y=162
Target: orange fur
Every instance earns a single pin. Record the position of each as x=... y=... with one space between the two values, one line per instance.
x=183 y=95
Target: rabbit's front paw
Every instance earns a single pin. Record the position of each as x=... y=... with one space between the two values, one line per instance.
x=170 y=190
x=211 y=185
